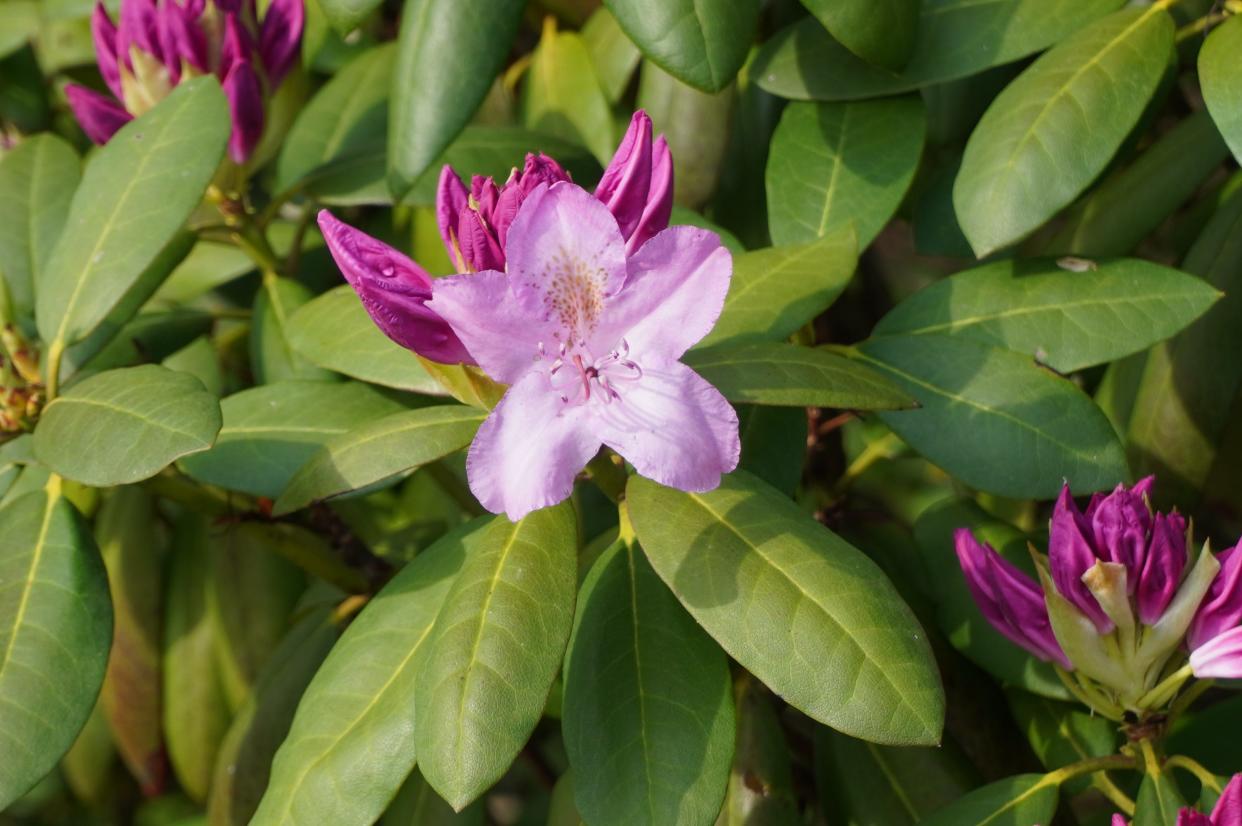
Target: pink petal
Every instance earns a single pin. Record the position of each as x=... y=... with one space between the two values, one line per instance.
x=236 y=46
x=280 y=38
x=672 y=426
x=624 y=185
x=530 y=449
x=182 y=38
x=1119 y=820
x=104 y=35
x=1070 y=555
x=503 y=339
x=1221 y=608
x=1228 y=811
x=1162 y=572
x=1220 y=657
x=139 y=27
x=659 y=198
x=480 y=249
x=673 y=294
x=451 y=198
x=1121 y=523
x=245 y=96
x=99 y=116
x=1189 y=817
x=394 y=291
x=566 y=258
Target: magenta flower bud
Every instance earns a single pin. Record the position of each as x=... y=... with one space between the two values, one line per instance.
x=1221 y=608
x=1009 y=599
x=538 y=169
x=183 y=40
x=659 y=198
x=100 y=117
x=139 y=28
x=451 y=199
x=280 y=38
x=637 y=186
x=1120 y=523
x=394 y=290
x=1228 y=811
x=105 y=36
x=1162 y=571
x=1070 y=555
x=1219 y=657
x=236 y=46
x=1119 y=820
x=245 y=96
x=480 y=249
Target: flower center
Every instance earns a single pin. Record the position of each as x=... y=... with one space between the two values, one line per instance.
x=574 y=293
x=579 y=377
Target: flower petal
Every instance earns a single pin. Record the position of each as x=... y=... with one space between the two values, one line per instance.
x=139 y=26
x=451 y=199
x=1120 y=524
x=659 y=198
x=672 y=426
x=1228 y=811
x=245 y=96
x=529 y=450
x=104 y=35
x=183 y=39
x=565 y=257
x=1162 y=571
x=99 y=116
x=394 y=291
x=1221 y=608
x=624 y=185
x=1219 y=657
x=673 y=294
x=501 y=337
x=1070 y=555
x=279 y=38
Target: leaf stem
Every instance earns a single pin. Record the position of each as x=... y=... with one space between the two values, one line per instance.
x=55 y=353
x=1091 y=765
x=1201 y=25
x=1105 y=786
x=1203 y=773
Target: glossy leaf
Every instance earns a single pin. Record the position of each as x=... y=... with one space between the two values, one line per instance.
x=1065 y=319
x=379 y=450
x=448 y=51
x=797 y=606
x=126 y=425
x=494 y=651
x=55 y=630
x=700 y=42
x=562 y=96
x=881 y=33
x=996 y=420
x=786 y=374
x=1218 y=75
x=776 y=291
x=37 y=181
x=614 y=56
x=1023 y=800
x=136 y=193
x=1158 y=801
x=354 y=728
x=1052 y=131
x=835 y=163
x=648 y=711
x=272 y=357
x=335 y=332
x=209 y=265
x=955 y=38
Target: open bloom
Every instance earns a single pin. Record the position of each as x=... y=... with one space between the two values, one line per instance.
x=1221 y=609
x=589 y=339
x=1227 y=812
x=156 y=46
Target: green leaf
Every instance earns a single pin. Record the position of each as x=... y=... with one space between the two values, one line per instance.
x=346 y=118
x=614 y=56
x=448 y=52
x=1054 y=129
x=881 y=33
x=87 y=766
x=55 y=630
x=136 y=193
x=272 y=357
x=700 y=42
x=495 y=649
x=790 y=375
x=955 y=38
x=1067 y=320
x=761 y=780
x=380 y=450
x=1062 y=733
x=1218 y=75
x=836 y=163
x=209 y=265
x=335 y=332
x=417 y=804
x=126 y=425
x=1022 y=800
x=794 y=604
x=37 y=180
x=1159 y=800
x=996 y=420
x=346 y=15
x=774 y=444
x=562 y=95
x=20 y=19
x=354 y=728
x=648 y=710
x=776 y=291
x=126 y=530
x=271 y=431
x=196 y=713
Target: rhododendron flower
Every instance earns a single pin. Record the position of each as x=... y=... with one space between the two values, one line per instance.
x=589 y=339
x=1222 y=606
x=1227 y=812
x=155 y=47
x=1219 y=657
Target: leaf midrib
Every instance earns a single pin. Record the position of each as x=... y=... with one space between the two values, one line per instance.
x=28 y=585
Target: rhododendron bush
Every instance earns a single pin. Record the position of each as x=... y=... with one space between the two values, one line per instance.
x=621 y=412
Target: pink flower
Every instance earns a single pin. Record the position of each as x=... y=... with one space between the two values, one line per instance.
x=1221 y=608
x=1219 y=657
x=589 y=339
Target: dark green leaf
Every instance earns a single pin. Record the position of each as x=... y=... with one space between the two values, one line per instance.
x=1067 y=320
x=1052 y=131
x=836 y=163
x=786 y=374
x=881 y=33
x=1218 y=75
x=996 y=420
x=448 y=52
x=648 y=710
x=774 y=444
x=1062 y=733
x=55 y=629
x=797 y=606
x=1023 y=800
x=699 y=42
x=494 y=651
x=126 y=425
x=1158 y=801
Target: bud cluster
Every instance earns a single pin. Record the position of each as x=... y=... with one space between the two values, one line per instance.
x=21 y=388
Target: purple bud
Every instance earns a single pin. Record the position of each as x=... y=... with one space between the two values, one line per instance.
x=538 y=169
x=1162 y=571
x=139 y=27
x=627 y=180
x=99 y=116
x=105 y=37
x=1070 y=555
x=394 y=290
x=236 y=47
x=1219 y=657
x=1009 y=599
x=1120 y=523
x=245 y=96
x=1189 y=817
x=1221 y=608
x=182 y=38
x=1119 y=820
x=480 y=249
x=451 y=197
x=485 y=194
x=280 y=37
x=659 y=198
x=1228 y=811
